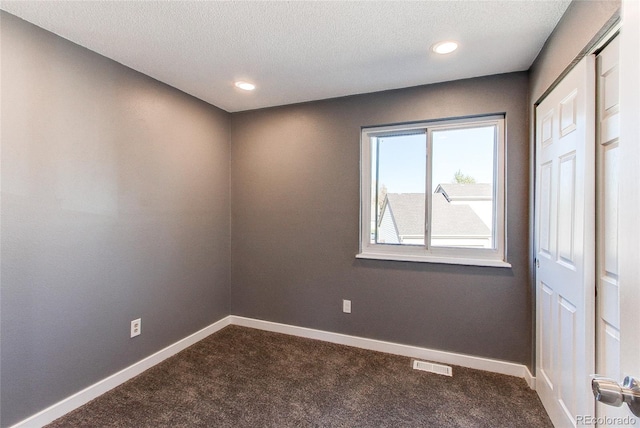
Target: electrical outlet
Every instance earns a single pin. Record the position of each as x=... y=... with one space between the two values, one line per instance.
x=346 y=306
x=136 y=327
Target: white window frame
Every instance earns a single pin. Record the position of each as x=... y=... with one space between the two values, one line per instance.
x=423 y=253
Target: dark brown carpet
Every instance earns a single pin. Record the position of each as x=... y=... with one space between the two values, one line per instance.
x=241 y=377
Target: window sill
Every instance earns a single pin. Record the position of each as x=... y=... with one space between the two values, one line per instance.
x=434 y=259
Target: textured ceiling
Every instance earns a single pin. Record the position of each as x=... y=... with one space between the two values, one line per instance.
x=300 y=51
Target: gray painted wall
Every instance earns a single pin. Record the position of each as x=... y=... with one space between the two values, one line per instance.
x=295 y=223
x=115 y=205
x=580 y=25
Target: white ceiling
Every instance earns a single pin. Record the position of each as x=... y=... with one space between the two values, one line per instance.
x=297 y=51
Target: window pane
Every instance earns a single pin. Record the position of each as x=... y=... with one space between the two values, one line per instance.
x=398 y=189
x=462 y=208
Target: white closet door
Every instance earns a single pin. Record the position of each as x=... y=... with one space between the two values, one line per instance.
x=565 y=253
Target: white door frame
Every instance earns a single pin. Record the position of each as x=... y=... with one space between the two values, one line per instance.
x=629 y=186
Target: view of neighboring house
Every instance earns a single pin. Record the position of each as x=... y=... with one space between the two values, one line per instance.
x=478 y=196
x=402 y=219
x=455 y=223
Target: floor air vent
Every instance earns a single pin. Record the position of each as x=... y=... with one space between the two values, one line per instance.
x=432 y=368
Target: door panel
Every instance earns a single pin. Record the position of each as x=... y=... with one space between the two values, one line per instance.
x=566 y=208
x=546 y=305
x=565 y=232
x=567 y=356
x=607 y=172
x=544 y=231
x=629 y=164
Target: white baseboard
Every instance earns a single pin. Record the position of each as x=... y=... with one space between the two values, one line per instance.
x=479 y=363
x=78 y=399
x=63 y=407
x=529 y=378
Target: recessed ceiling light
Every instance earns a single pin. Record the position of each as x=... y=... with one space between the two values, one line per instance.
x=246 y=86
x=444 y=47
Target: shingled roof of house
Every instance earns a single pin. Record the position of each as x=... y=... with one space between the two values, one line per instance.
x=469 y=191
x=448 y=219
